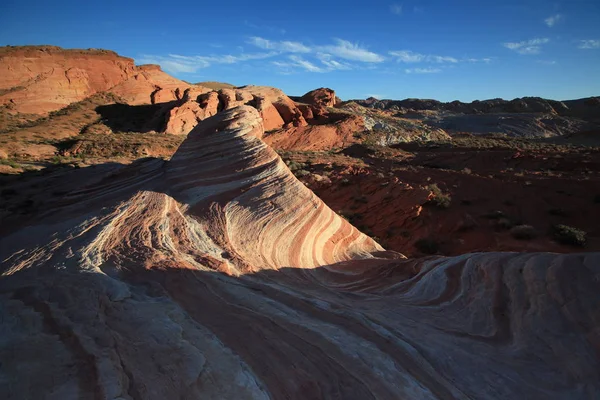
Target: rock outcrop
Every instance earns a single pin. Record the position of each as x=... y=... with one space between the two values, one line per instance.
x=339 y=131
x=276 y=109
x=218 y=275
x=322 y=97
x=150 y=85
x=39 y=79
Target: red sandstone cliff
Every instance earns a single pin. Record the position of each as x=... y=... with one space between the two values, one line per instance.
x=40 y=79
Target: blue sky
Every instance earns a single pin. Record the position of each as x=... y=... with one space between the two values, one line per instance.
x=441 y=49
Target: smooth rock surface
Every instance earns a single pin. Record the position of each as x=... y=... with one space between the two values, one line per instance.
x=217 y=274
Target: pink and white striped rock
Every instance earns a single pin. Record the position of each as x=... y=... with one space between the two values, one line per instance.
x=217 y=274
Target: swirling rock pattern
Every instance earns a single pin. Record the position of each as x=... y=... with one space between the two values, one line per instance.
x=218 y=275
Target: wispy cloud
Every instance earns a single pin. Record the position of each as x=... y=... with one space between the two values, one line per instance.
x=407 y=56
x=341 y=48
x=422 y=70
x=532 y=46
x=547 y=62
x=307 y=65
x=332 y=64
x=396 y=9
x=351 y=51
x=283 y=46
x=295 y=62
x=589 y=44
x=486 y=60
x=553 y=20
x=176 y=63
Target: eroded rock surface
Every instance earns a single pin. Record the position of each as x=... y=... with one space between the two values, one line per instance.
x=39 y=79
x=322 y=97
x=276 y=109
x=217 y=274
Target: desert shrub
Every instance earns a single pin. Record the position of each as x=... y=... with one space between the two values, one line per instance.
x=523 y=232
x=467 y=171
x=427 y=246
x=294 y=165
x=301 y=172
x=345 y=182
x=569 y=235
x=439 y=199
x=9 y=162
x=57 y=160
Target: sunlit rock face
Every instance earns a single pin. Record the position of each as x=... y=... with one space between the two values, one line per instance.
x=218 y=275
x=39 y=79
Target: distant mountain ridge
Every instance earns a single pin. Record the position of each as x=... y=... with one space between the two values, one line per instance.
x=580 y=108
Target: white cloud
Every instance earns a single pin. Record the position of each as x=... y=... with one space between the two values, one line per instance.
x=283 y=46
x=422 y=70
x=589 y=44
x=553 y=20
x=396 y=9
x=307 y=65
x=532 y=46
x=176 y=63
x=408 y=56
x=442 y=59
x=350 y=51
x=296 y=62
x=547 y=62
x=342 y=49
x=332 y=64
x=486 y=60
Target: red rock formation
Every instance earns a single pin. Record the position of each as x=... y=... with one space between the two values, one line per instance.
x=322 y=97
x=340 y=133
x=276 y=109
x=182 y=119
x=39 y=79
x=200 y=276
x=150 y=85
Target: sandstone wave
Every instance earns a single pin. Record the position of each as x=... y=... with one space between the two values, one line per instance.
x=217 y=274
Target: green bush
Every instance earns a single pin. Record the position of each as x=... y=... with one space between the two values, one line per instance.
x=10 y=163
x=523 y=232
x=293 y=165
x=569 y=235
x=301 y=172
x=439 y=199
